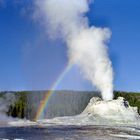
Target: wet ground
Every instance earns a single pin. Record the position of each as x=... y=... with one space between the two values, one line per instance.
x=68 y=133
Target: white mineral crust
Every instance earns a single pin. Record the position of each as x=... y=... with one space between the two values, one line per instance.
x=117 y=110
x=99 y=112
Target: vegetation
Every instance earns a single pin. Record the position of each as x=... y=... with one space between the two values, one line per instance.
x=132 y=97
x=18 y=109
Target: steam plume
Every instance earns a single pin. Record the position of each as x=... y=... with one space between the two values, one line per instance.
x=6 y=100
x=86 y=45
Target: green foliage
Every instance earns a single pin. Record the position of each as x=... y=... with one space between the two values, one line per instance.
x=132 y=97
x=19 y=108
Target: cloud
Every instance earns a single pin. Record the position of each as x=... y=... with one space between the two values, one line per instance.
x=86 y=45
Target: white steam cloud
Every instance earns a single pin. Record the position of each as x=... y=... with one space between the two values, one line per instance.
x=6 y=100
x=86 y=45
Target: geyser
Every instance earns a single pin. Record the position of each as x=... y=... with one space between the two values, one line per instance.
x=87 y=46
x=118 y=110
x=99 y=112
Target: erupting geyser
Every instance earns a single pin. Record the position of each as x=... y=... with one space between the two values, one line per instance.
x=99 y=112
x=86 y=45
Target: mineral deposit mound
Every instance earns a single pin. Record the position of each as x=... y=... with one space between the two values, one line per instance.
x=99 y=112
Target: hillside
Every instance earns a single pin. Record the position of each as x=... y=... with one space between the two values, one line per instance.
x=22 y=103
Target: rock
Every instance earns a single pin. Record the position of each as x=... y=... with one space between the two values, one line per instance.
x=117 y=110
x=99 y=112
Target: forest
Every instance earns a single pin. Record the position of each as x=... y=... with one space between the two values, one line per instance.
x=19 y=107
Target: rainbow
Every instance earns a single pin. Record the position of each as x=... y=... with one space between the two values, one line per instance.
x=44 y=102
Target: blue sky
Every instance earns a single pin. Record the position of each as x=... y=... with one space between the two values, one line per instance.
x=30 y=61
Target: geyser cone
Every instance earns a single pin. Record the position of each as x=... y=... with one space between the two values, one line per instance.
x=99 y=112
x=117 y=110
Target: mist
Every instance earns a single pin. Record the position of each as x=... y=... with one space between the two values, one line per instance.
x=6 y=100
x=86 y=45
